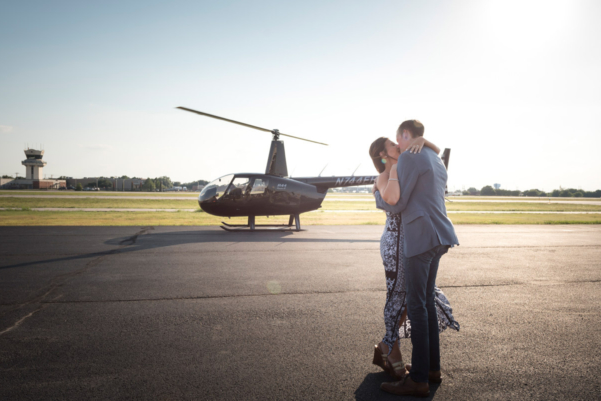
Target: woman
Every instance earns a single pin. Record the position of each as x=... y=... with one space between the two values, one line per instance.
x=387 y=354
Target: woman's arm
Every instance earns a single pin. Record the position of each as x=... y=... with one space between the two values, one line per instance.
x=381 y=182
x=391 y=192
x=418 y=143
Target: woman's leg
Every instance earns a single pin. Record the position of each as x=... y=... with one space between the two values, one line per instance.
x=396 y=355
x=395 y=310
x=395 y=313
x=395 y=307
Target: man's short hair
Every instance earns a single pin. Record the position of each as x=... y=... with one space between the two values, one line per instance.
x=415 y=127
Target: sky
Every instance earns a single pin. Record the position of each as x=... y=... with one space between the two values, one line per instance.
x=512 y=87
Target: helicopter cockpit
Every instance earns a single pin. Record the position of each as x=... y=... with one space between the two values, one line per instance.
x=216 y=188
x=238 y=188
x=233 y=187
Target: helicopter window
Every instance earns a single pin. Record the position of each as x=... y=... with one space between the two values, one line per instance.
x=259 y=186
x=238 y=186
x=216 y=188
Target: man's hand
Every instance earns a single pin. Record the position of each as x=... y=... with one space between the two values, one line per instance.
x=416 y=145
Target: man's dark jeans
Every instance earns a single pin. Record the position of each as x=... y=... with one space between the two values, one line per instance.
x=420 y=279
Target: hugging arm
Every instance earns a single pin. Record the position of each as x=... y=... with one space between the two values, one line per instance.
x=418 y=143
x=408 y=173
x=391 y=191
x=380 y=204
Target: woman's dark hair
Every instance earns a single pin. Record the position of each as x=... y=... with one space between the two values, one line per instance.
x=377 y=146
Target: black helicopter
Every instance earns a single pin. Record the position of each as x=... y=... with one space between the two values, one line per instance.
x=272 y=193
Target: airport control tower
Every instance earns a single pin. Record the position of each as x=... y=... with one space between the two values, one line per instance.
x=34 y=164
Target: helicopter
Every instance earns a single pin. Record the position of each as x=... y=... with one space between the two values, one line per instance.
x=273 y=193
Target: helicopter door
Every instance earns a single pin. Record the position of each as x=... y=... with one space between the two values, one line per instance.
x=258 y=188
x=237 y=193
x=257 y=198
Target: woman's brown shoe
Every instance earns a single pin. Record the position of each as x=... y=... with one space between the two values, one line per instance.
x=380 y=359
x=398 y=369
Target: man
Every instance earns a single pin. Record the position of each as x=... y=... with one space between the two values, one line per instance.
x=422 y=179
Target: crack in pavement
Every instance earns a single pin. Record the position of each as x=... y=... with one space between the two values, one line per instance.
x=59 y=281
x=553 y=283
x=18 y=322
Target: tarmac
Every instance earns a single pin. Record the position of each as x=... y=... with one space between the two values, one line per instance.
x=197 y=313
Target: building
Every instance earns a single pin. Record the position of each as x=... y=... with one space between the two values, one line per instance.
x=34 y=164
x=118 y=184
x=34 y=178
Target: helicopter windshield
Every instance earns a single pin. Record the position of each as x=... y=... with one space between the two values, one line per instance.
x=216 y=188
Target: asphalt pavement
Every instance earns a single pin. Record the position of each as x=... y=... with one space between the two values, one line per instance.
x=197 y=313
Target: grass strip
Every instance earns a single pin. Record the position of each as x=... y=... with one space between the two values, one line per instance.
x=35 y=192
x=99 y=203
x=332 y=205
x=33 y=218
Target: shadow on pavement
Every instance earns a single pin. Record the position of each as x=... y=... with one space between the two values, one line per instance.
x=145 y=240
x=369 y=389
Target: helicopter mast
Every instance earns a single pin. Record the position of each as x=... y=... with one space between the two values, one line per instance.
x=276 y=160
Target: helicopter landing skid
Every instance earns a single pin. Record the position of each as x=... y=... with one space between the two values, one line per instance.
x=248 y=229
x=251 y=226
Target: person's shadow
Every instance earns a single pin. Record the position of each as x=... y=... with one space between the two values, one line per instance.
x=369 y=389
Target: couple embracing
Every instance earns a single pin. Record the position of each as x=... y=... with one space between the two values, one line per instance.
x=411 y=189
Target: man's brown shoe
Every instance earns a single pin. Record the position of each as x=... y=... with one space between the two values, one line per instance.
x=407 y=387
x=435 y=376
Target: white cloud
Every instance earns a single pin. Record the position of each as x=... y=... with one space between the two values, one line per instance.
x=5 y=129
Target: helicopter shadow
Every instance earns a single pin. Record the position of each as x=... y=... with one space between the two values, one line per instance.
x=161 y=240
x=148 y=240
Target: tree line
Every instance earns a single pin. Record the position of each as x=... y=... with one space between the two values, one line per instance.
x=561 y=192
x=150 y=184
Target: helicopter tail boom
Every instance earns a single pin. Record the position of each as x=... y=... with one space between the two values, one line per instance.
x=337 y=182
x=324 y=183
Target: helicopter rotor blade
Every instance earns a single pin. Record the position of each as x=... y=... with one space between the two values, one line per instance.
x=303 y=139
x=246 y=125
x=224 y=119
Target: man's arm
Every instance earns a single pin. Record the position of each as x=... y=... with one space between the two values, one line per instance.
x=408 y=173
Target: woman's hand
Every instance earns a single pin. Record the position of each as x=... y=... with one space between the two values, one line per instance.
x=416 y=145
x=393 y=172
